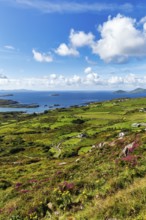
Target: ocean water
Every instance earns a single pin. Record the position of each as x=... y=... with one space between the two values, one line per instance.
x=59 y=99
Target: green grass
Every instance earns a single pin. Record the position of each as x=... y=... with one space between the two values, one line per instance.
x=48 y=172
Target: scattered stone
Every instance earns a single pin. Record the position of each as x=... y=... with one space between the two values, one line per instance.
x=130 y=147
x=143 y=124
x=81 y=135
x=142 y=110
x=78 y=159
x=93 y=146
x=56 y=213
x=96 y=196
x=17 y=163
x=126 y=149
x=121 y=135
x=136 y=125
x=99 y=146
x=63 y=163
x=50 y=206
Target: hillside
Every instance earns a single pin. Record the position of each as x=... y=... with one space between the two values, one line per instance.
x=138 y=90
x=68 y=164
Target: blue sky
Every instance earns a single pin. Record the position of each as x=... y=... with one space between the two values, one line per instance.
x=72 y=44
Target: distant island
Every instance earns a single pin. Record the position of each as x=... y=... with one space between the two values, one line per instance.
x=55 y=94
x=120 y=91
x=14 y=104
x=138 y=90
x=5 y=95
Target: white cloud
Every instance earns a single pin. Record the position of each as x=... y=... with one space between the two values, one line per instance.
x=77 y=39
x=120 y=39
x=91 y=77
x=80 y=38
x=115 y=80
x=53 y=76
x=2 y=76
x=88 y=70
x=143 y=20
x=129 y=80
x=64 y=50
x=9 y=47
x=73 y=81
x=91 y=62
x=41 y=57
x=91 y=80
x=69 y=7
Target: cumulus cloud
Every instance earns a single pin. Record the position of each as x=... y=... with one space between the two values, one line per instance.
x=88 y=70
x=76 y=39
x=42 y=57
x=80 y=38
x=73 y=81
x=90 y=80
x=115 y=80
x=91 y=77
x=120 y=39
x=129 y=80
x=64 y=50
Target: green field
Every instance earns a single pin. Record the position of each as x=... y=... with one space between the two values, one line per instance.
x=51 y=170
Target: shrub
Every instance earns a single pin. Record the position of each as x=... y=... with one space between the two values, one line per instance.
x=16 y=217
x=4 y=184
x=78 y=121
x=16 y=150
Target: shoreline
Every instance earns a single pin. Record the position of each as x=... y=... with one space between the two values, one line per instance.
x=40 y=108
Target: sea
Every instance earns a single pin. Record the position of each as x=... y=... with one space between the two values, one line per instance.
x=48 y=100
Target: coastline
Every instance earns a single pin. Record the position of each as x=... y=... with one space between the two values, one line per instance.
x=45 y=102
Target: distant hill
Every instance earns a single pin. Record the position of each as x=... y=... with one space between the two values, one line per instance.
x=138 y=90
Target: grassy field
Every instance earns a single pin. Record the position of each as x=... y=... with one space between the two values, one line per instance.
x=65 y=164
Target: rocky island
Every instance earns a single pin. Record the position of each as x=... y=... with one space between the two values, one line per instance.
x=6 y=95
x=14 y=104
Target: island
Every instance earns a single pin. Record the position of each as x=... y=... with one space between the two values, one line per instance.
x=120 y=91
x=14 y=104
x=6 y=95
x=135 y=91
x=55 y=94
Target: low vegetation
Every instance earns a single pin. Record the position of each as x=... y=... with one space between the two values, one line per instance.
x=69 y=164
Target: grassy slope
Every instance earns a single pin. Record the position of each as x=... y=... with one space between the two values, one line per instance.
x=42 y=179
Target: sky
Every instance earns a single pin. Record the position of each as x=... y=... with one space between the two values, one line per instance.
x=72 y=44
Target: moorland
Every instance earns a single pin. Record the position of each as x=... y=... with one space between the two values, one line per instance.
x=70 y=163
